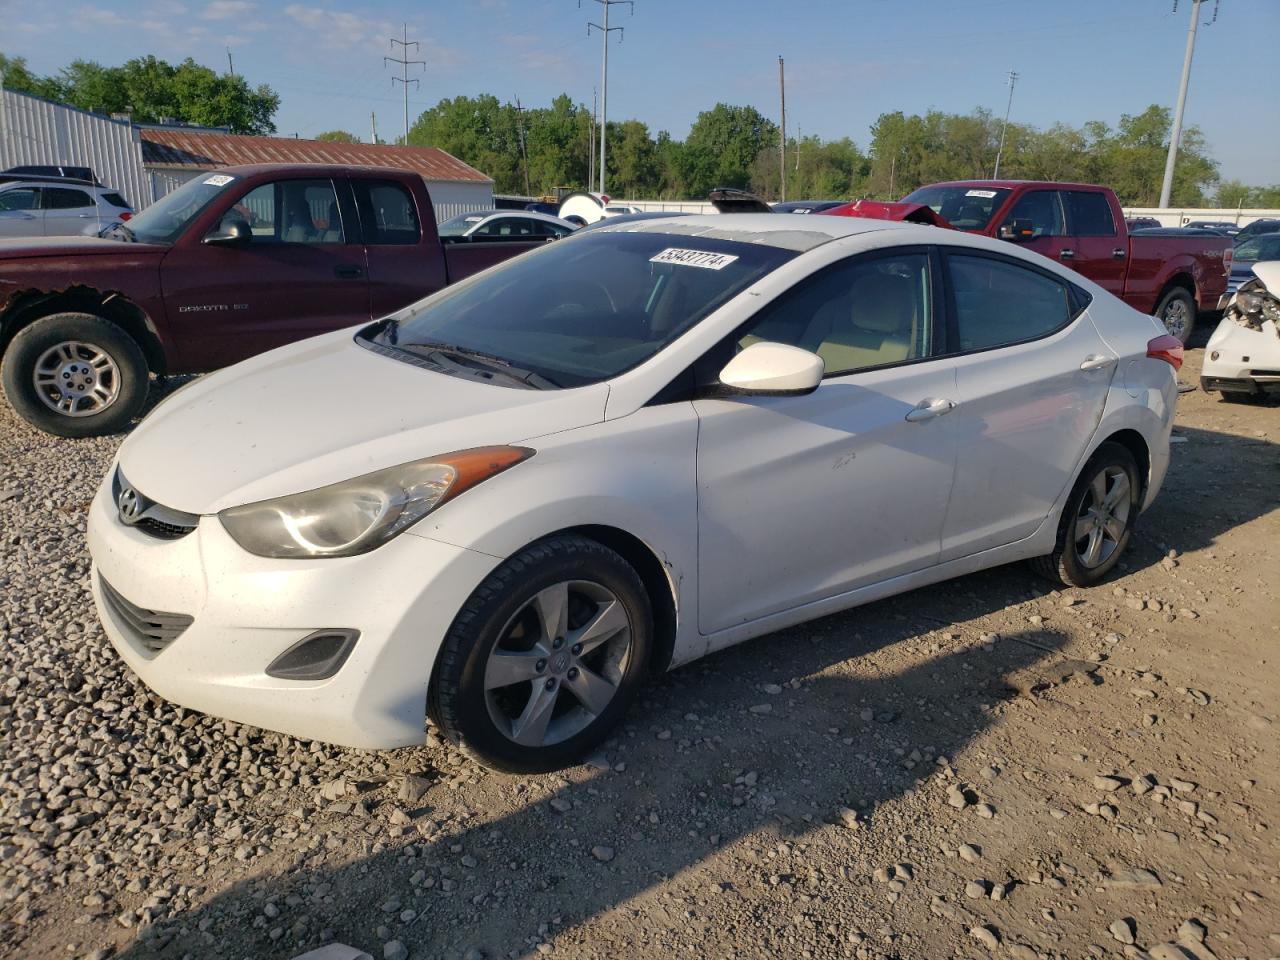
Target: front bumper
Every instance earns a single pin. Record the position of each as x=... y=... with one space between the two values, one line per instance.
x=1239 y=359
x=247 y=610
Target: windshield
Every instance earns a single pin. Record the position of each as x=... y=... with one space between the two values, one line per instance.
x=166 y=219
x=459 y=225
x=965 y=208
x=1259 y=248
x=585 y=309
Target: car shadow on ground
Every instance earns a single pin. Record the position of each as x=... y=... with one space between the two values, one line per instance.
x=842 y=737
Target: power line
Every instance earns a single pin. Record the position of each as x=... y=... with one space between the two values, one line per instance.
x=404 y=62
x=604 y=71
x=1011 y=80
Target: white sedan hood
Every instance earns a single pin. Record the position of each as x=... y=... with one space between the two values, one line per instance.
x=324 y=411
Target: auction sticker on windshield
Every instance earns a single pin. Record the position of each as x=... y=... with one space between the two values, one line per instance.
x=988 y=194
x=693 y=258
x=218 y=180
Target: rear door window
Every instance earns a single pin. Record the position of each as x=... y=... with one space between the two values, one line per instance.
x=62 y=198
x=1089 y=214
x=998 y=302
x=388 y=214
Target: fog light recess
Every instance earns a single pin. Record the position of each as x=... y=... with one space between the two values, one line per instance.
x=1214 y=355
x=317 y=656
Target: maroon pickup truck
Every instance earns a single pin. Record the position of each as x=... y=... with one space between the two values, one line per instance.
x=1082 y=226
x=229 y=265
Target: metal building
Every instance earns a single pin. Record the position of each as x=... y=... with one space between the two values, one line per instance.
x=147 y=161
x=38 y=131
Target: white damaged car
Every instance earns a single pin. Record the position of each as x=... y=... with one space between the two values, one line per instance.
x=1242 y=358
x=506 y=505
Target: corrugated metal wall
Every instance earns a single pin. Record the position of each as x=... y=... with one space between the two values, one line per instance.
x=39 y=131
x=452 y=197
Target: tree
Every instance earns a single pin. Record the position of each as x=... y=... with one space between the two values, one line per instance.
x=151 y=89
x=722 y=145
x=338 y=136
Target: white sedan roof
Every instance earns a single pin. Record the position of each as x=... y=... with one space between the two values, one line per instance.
x=790 y=231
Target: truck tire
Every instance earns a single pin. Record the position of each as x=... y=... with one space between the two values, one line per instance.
x=1177 y=311
x=75 y=375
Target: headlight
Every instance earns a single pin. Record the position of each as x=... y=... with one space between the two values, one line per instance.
x=356 y=516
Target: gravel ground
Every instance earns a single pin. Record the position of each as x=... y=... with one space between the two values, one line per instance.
x=985 y=767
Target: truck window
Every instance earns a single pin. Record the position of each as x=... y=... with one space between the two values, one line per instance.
x=1089 y=214
x=291 y=211
x=387 y=212
x=1044 y=209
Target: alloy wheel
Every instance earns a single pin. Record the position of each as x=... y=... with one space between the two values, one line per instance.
x=1103 y=517
x=76 y=379
x=1176 y=318
x=558 y=663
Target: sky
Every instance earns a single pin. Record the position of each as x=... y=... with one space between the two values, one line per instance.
x=847 y=61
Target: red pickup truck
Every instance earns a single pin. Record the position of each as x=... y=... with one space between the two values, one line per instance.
x=1082 y=226
x=229 y=265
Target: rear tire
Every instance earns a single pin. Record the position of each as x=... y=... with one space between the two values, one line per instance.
x=511 y=659
x=1177 y=311
x=75 y=375
x=1097 y=520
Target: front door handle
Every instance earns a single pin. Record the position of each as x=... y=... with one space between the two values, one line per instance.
x=1119 y=253
x=929 y=408
x=1096 y=361
x=1066 y=253
x=349 y=271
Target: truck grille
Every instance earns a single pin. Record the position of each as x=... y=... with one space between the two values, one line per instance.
x=151 y=629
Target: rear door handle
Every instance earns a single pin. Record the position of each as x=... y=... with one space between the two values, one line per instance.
x=349 y=271
x=1096 y=361
x=929 y=408
x=1066 y=254
x=1119 y=253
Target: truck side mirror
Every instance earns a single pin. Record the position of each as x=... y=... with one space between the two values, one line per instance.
x=1018 y=231
x=231 y=232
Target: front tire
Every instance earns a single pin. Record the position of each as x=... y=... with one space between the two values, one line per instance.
x=75 y=375
x=1177 y=311
x=544 y=657
x=1097 y=521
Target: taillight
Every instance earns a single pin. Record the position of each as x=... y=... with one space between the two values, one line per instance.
x=1228 y=258
x=1167 y=348
x=126 y=215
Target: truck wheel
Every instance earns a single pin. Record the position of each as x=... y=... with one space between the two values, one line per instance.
x=1177 y=311
x=75 y=375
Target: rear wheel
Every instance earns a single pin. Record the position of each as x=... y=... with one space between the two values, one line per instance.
x=1177 y=311
x=75 y=375
x=544 y=657
x=1097 y=521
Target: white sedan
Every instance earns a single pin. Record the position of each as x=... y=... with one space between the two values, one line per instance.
x=1242 y=358
x=505 y=225
x=505 y=505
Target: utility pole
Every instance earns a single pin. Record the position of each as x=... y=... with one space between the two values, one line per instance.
x=404 y=62
x=373 y=122
x=591 y=138
x=231 y=67
x=1011 y=80
x=782 y=132
x=1166 y=188
x=799 y=137
x=523 y=153
x=604 y=72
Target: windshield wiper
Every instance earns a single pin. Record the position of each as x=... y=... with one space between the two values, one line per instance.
x=464 y=356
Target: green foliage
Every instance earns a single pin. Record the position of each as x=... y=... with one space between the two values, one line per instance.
x=1234 y=193
x=722 y=145
x=150 y=88
x=338 y=136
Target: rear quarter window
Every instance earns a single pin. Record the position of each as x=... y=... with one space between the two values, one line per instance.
x=115 y=199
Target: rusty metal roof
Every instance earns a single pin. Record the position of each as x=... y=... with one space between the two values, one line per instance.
x=190 y=148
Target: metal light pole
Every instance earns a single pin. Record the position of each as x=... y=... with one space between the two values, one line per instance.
x=1166 y=188
x=1012 y=80
x=604 y=72
x=782 y=132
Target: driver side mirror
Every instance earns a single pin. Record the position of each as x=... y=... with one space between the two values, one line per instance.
x=1018 y=231
x=231 y=232
x=773 y=369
